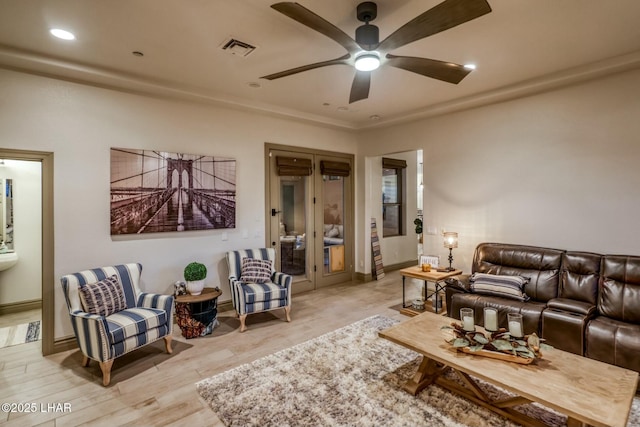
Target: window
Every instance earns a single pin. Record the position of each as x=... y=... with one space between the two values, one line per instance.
x=392 y=197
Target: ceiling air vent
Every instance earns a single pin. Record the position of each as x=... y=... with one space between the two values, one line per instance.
x=237 y=47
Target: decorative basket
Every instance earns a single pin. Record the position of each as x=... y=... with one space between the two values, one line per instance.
x=190 y=327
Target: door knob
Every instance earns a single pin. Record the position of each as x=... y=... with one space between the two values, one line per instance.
x=274 y=212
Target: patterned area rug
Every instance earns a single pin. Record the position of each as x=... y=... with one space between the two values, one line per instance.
x=348 y=377
x=20 y=334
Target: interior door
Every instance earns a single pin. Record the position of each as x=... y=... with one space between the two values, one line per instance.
x=310 y=216
x=290 y=215
x=334 y=220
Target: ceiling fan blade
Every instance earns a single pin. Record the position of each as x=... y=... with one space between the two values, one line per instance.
x=446 y=15
x=341 y=60
x=306 y=17
x=445 y=71
x=360 y=86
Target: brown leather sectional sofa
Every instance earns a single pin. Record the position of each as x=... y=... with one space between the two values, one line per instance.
x=581 y=302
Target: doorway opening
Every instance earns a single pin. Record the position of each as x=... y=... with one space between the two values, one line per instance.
x=310 y=219
x=31 y=236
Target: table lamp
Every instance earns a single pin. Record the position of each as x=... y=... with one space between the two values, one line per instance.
x=450 y=241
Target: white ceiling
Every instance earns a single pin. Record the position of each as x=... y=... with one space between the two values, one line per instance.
x=522 y=45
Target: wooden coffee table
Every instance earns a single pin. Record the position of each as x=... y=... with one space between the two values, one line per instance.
x=587 y=391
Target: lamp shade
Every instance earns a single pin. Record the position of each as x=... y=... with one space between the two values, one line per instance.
x=450 y=239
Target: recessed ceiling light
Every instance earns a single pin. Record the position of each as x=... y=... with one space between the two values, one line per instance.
x=137 y=53
x=470 y=66
x=343 y=109
x=254 y=85
x=374 y=117
x=62 y=34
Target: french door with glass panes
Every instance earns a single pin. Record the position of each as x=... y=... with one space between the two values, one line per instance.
x=310 y=215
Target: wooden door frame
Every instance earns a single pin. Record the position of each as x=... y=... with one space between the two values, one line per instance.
x=48 y=298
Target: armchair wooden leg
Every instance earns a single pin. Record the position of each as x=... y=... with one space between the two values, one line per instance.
x=85 y=361
x=243 y=327
x=167 y=343
x=105 y=367
x=287 y=312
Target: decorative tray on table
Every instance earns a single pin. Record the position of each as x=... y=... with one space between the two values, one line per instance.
x=496 y=345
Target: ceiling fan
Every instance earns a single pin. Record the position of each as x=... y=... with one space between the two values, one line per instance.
x=369 y=52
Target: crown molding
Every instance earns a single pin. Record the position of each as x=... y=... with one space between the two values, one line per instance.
x=521 y=89
x=47 y=66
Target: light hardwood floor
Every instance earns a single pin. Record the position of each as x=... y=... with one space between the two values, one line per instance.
x=149 y=387
x=13 y=319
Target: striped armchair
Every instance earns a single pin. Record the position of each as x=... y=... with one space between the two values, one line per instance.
x=251 y=298
x=146 y=318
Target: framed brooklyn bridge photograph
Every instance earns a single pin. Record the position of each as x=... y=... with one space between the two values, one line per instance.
x=156 y=191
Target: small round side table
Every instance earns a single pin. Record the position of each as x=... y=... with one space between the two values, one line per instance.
x=203 y=308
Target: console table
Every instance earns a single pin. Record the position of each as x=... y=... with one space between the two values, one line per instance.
x=436 y=277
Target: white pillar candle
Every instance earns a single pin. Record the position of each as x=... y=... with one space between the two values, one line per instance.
x=491 y=320
x=466 y=316
x=515 y=329
x=467 y=323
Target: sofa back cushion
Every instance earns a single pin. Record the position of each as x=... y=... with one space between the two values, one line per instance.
x=580 y=276
x=540 y=265
x=620 y=288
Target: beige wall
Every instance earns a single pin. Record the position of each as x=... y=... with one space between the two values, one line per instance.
x=80 y=123
x=558 y=169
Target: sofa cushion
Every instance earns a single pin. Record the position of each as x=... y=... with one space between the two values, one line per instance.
x=580 y=275
x=256 y=270
x=334 y=232
x=500 y=286
x=260 y=292
x=104 y=297
x=134 y=321
x=540 y=265
x=620 y=288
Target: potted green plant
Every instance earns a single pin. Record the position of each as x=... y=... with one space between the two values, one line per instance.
x=194 y=274
x=418 y=223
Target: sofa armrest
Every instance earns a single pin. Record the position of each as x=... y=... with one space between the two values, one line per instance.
x=459 y=282
x=572 y=306
x=282 y=279
x=149 y=300
x=94 y=342
x=161 y=302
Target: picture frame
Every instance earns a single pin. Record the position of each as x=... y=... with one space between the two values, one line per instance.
x=157 y=191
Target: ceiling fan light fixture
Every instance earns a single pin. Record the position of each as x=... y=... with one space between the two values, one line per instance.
x=368 y=61
x=470 y=66
x=367 y=36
